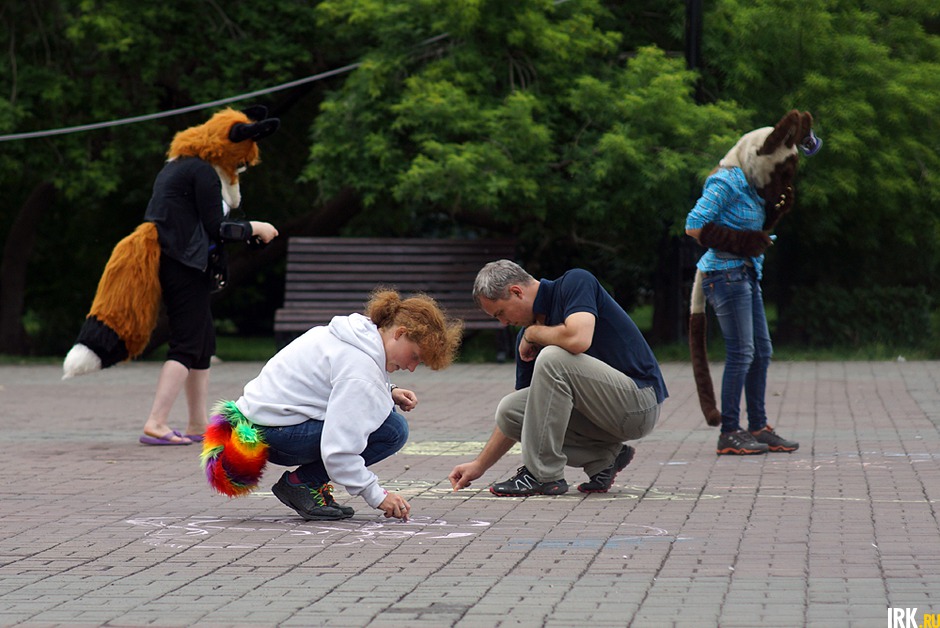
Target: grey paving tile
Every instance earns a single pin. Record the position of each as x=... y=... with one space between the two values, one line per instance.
x=98 y=529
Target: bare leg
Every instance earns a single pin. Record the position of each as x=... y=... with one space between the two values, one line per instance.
x=197 y=395
x=172 y=378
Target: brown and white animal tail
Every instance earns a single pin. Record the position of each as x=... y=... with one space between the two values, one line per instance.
x=125 y=309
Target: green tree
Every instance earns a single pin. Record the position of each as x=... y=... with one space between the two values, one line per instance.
x=69 y=198
x=570 y=124
x=533 y=118
x=868 y=206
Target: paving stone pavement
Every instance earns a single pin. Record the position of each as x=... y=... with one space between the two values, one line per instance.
x=100 y=530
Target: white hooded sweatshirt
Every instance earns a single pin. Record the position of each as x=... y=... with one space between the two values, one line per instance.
x=335 y=374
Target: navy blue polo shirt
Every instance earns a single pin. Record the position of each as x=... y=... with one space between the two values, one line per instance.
x=617 y=340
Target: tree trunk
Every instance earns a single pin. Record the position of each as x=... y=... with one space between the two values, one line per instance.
x=675 y=272
x=16 y=253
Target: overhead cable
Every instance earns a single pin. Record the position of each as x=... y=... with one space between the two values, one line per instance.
x=174 y=112
x=205 y=105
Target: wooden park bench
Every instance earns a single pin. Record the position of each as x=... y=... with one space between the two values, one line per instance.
x=327 y=277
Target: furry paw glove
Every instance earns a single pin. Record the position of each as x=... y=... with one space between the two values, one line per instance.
x=776 y=207
x=746 y=243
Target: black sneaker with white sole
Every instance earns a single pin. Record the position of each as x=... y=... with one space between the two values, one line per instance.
x=524 y=483
x=307 y=500
x=602 y=481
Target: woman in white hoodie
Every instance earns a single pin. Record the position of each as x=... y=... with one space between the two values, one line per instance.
x=325 y=402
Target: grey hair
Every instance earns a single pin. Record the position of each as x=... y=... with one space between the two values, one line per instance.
x=494 y=279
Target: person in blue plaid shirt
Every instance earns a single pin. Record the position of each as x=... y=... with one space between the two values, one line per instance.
x=732 y=288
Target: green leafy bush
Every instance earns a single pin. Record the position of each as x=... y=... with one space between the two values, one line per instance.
x=830 y=316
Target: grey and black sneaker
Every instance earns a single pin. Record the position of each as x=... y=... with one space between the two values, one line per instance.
x=524 y=483
x=739 y=443
x=327 y=492
x=307 y=500
x=774 y=441
x=602 y=481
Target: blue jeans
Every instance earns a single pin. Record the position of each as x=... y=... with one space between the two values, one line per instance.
x=299 y=444
x=738 y=302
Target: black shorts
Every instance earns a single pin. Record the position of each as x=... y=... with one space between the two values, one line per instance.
x=186 y=293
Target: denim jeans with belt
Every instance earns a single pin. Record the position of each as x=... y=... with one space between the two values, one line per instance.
x=299 y=444
x=736 y=297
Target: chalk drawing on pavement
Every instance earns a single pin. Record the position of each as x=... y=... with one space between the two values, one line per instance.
x=417 y=489
x=627 y=535
x=449 y=448
x=279 y=533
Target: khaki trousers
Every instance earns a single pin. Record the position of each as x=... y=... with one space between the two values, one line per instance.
x=577 y=411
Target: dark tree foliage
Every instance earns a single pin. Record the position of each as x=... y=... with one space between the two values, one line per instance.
x=574 y=125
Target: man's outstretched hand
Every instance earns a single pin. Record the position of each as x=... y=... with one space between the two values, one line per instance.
x=463 y=475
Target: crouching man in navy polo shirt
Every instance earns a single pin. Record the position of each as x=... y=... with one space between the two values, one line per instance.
x=586 y=381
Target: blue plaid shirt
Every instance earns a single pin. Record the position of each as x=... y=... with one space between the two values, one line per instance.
x=728 y=200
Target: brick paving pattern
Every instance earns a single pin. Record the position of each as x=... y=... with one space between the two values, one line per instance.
x=100 y=530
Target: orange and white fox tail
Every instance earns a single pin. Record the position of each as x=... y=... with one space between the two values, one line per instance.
x=125 y=309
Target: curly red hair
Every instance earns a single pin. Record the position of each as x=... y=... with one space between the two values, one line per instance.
x=424 y=322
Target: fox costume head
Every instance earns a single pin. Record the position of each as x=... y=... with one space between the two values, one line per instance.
x=228 y=141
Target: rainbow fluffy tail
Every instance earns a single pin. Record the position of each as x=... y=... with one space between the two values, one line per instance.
x=233 y=452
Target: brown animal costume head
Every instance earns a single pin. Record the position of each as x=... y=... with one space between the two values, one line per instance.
x=768 y=157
